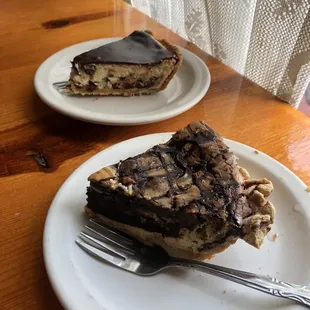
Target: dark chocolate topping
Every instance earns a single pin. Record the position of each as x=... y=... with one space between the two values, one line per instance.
x=189 y=180
x=138 y=48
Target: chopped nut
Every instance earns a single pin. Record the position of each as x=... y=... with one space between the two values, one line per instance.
x=105 y=173
x=244 y=173
x=248 y=191
x=274 y=237
x=256 y=182
x=147 y=162
x=129 y=190
x=265 y=189
x=128 y=180
x=255 y=228
x=164 y=202
x=185 y=198
x=156 y=172
x=184 y=182
x=155 y=187
x=258 y=198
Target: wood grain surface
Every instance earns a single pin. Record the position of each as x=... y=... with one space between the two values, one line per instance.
x=40 y=147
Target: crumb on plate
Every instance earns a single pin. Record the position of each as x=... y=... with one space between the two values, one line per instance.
x=274 y=237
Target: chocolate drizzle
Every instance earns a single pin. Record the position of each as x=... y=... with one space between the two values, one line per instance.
x=190 y=180
x=138 y=48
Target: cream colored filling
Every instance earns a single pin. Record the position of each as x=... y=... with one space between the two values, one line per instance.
x=186 y=245
x=107 y=75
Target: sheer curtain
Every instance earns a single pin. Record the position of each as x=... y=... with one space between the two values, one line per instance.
x=268 y=41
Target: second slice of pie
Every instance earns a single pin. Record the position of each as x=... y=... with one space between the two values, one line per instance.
x=188 y=195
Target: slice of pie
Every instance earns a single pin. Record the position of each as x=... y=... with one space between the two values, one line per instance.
x=188 y=196
x=136 y=65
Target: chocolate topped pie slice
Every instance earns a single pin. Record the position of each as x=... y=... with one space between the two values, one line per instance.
x=136 y=65
x=188 y=195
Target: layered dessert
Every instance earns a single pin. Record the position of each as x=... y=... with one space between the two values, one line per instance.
x=136 y=65
x=188 y=196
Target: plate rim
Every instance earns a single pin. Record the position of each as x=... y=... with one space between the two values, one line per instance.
x=295 y=182
x=204 y=75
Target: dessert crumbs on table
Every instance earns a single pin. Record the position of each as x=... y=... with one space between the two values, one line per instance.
x=274 y=237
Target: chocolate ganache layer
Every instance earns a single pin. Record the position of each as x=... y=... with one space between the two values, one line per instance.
x=138 y=48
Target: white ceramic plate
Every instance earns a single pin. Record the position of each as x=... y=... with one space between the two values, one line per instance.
x=185 y=90
x=81 y=282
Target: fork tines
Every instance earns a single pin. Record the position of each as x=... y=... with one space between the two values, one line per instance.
x=61 y=85
x=105 y=243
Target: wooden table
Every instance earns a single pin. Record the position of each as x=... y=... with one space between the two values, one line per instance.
x=30 y=31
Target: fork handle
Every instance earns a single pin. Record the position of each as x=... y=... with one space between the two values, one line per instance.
x=266 y=284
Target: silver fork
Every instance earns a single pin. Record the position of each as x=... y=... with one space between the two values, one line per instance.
x=61 y=86
x=131 y=255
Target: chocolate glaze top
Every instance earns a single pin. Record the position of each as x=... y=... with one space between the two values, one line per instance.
x=138 y=48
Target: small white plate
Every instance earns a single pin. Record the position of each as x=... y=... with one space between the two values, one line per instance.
x=81 y=282
x=188 y=86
